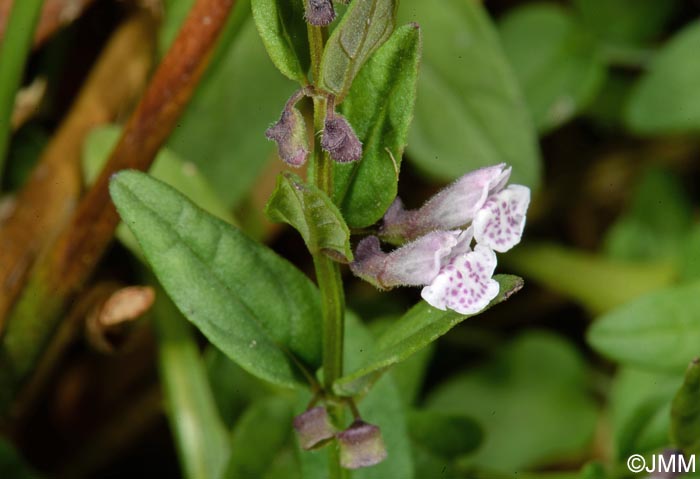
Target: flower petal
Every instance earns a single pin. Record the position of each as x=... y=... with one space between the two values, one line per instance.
x=451 y=208
x=465 y=285
x=499 y=224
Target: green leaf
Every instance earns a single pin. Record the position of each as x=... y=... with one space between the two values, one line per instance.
x=470 y=111
x=555 y=60
x=659 y=331
x=222 y=130
x=445 y=435
x=366 y=25
x=522 y=399
x=667 y=99
x=259 y=435
x=283 y=31
x=422 y=325
x=685 y=411
x=657 y=223
x=640 y=409
x=312 y=214
x=222 y=281
x=202 y=442
x=595 y=282
x=380 y=109
x=625 y=22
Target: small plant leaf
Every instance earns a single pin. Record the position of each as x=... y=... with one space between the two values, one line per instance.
x=422 y=325
x=659 y=331
x=365 y=27
x=555 y=60
x=312 y=214
x=685 y=411
x=380 y=109
x=283 y=31
x=469 y=111
x=667 y=99
x=222 y=281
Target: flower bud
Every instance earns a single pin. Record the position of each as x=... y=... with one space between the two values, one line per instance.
x=291 y=137
x=340 y=140
x=453 y=207
x=319 y=13
x=313 y=428
x=361 y=445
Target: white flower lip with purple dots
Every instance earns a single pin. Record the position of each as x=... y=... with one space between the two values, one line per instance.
x=440 y=257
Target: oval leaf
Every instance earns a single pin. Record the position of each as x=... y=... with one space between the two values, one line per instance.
x=667 y=99
x=470 y=112
x=365 y=27
x=659 y=331
x=555 y=61
x=222 y=281
x=380 y=109
x=283 y=31
x=312 y=214
x=422 y=325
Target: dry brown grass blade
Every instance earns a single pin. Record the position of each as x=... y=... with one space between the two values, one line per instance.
x=55 y=14
x=52 y=192
x=70 y=260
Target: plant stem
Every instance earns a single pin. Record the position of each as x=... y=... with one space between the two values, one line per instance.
x=327 y=271
x=14 y=50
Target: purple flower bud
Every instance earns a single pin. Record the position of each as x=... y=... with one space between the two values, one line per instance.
x=361 y=445
x=414 y=264
x=451 y=208
x=340 y=140
x=313 y=428
x=319 y=12
x=290 y=133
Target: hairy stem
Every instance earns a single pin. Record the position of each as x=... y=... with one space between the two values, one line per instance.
x=327 y=271
x=14 y=50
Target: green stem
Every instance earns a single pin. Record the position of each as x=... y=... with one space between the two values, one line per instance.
x=327 y=271
x=14 y=50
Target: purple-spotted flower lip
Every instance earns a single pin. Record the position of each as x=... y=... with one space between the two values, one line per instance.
x=465 y=285
x=440 y=257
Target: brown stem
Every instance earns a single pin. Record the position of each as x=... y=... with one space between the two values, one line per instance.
x=49 y=197
x=65 y=267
